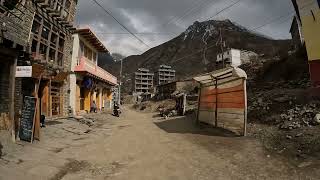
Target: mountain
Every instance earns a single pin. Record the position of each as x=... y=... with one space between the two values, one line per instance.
x=117 y=56
x=194 y=51
x=104 y=59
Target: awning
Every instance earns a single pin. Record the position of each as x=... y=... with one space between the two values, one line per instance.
x=37 y=70
x=221 y=76
x=60 y=77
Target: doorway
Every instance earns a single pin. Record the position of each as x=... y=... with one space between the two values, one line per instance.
x=56 y=99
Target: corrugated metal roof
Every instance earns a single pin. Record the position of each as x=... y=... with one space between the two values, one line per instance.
x=222 y=76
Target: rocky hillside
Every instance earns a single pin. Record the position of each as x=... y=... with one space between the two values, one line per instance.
x=194 y=51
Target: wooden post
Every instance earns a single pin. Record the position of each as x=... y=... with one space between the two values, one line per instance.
x=222 y=46
x=245 y=107
x=36 y=129
x=12 y=80
x=199 y=101
x=216 y=111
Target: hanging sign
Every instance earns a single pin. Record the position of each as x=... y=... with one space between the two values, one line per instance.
x=24 y=71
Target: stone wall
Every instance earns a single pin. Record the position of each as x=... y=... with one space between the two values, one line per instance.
x=67 y=61
x=4 y=95
x=17 y=23
x=66 y=68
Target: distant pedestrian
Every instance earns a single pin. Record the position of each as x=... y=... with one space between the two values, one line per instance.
x=42 y=120
x=93 y=107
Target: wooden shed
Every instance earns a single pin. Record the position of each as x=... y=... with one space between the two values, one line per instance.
x=223 y=99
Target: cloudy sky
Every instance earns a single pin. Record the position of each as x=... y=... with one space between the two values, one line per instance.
x=157 y=21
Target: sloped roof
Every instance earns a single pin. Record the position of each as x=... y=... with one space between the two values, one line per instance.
x=87 y=34
x=222 y=76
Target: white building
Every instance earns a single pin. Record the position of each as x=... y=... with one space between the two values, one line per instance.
x=236 y=57
x=89 y=83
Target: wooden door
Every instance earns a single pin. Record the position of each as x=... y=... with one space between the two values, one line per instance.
x=57 y=99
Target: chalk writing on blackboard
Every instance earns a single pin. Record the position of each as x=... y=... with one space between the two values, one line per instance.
x=27 y=119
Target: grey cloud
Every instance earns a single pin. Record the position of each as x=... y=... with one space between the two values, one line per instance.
x=149 y=16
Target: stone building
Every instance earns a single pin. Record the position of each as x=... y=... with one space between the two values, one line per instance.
x=165 y=91
x=165 y=74
x=15 y=25
x=36 y=34
x=143 y=81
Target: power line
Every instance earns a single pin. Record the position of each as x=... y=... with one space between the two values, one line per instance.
x=272 y=21
x=224 y=9
x=288 y=15
x=194 y=9
x=254 y=29
x=175 y=18
x=109 y=13
x=124 y=33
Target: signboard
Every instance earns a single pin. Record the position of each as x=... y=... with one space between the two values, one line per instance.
x=27 y=119
x=24 y=71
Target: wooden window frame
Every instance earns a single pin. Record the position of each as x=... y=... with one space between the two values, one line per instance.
x=52 y=30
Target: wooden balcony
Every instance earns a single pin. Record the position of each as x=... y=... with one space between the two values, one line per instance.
x=90 y=68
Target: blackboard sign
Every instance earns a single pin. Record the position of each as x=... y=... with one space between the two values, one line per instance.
x=26 y=122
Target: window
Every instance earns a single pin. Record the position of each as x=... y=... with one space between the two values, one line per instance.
x=52 y=55
x=61 y=44
x=89 y=54
x=54 y=39
x=37 y=18
x=85 y=53
x=82 y=48
x=43 y=49
x=45 y=33
x=35 y=27
x=60 y=59
x=34 y=46
x=318 y=3
x=47 y=42
x=94 y=57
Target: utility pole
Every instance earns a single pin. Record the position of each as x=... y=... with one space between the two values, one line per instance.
x=120 y=83
x=222 y=47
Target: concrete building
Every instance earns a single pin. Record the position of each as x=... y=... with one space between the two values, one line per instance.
x=165 y=91
x=296 y=34
x=235 y=57
x=308 y=14
x=36 y=36
x=143 y=81
x=88 y=82
x=165 y=74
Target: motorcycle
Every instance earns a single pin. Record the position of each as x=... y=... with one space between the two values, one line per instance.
x=116 y=111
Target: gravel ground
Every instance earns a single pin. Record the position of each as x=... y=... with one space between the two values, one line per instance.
x=140 y=146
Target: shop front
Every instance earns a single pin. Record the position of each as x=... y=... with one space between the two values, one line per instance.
x=90 y=85
x=90 y=90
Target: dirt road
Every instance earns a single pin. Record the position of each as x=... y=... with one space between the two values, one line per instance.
x=139 y=146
